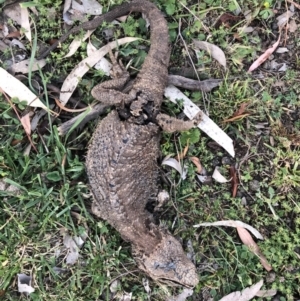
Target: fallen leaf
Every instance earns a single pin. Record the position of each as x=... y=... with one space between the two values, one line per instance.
x=246 y=29
x=266 y=293
x=25 y=121
x=84 y=66
x=241 y=110
x=283 y=68
x=58 y=270
x=126 y=297
x=24 y=284
x=247 y=240
x=294 y=3
x=14 y=34
x=231 y=223
x=264 y=56
x=227 y=20
x=240 y=117
x=3 y=46
x=204 y=179
x=4 y=30
x=104 y=65
x=76 y=43
x=147 y=287
x=115 y=285
x=73 y=244
x=215 y=51
x=183 y=153
x=244 y=295
x=293 y=26
x=67 y=109
x=14 y=88
x=281 y=50
x=182 y=296
x=196 y=161
x=23 y=66
x=14 y=12
x=234 y=181
x=284 y=18
x=25 y=22
x=92 y=7
x=73 y=11
x=217 y=176
x=206 y=124
x=176 y=165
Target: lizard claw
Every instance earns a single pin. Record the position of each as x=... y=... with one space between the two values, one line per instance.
x=118 y=70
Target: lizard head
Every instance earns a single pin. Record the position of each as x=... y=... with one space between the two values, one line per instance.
x=169 y=264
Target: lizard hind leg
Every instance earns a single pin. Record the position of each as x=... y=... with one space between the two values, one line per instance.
x=109 y=92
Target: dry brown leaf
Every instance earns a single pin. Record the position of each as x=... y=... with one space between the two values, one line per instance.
x=247 y=240
x=234 y=180
x=239 y=114
x=237 y=36
x=14 y=34
x=183 y=154
x=61 y=106
x=264 y=56
x=25 y=121
x=241 y=110
x=236 y=118
x=196 y=161
x=294 y=139
x=227 y=20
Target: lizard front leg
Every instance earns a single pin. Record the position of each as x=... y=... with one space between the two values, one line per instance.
x=171 y=124
x=109 y=92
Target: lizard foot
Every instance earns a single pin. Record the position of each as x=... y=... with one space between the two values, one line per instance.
x=109 y=92
x=170 y=124
x=118 y=70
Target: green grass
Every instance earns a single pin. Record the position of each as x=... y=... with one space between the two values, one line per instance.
x=45 y=195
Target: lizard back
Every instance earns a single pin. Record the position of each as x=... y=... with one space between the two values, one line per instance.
x=122 y=159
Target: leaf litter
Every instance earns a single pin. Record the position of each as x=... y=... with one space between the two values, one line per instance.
x=24 y=284
x=244 y=294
